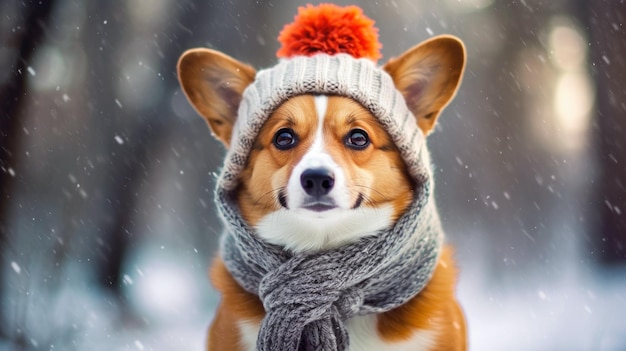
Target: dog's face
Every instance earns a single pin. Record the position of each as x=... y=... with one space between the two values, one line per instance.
x=322 y=171
x=324 y=165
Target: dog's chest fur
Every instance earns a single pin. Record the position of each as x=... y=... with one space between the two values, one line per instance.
x=363 y=336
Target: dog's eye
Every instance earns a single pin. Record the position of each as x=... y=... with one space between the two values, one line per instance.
x=285 y=139
x=357 y=139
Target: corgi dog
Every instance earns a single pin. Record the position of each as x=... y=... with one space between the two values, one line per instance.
x=325 y=165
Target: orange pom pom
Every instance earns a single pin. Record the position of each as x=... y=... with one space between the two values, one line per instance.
x=330 y=29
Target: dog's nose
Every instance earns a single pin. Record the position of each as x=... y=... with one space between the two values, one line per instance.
x=317 y=181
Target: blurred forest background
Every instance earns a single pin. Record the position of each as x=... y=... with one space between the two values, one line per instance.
x=107 y=221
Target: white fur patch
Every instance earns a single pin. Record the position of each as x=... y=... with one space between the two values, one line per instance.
x=321 y=105
x=318 y=157
x=298 y=230
x=248 y=332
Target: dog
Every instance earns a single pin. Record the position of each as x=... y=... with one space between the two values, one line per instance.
x=325 y=165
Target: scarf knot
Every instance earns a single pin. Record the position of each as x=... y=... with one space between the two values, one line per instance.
x=319 y=303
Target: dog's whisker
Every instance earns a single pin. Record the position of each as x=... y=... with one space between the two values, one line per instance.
x=274 y=194
x=385 y=198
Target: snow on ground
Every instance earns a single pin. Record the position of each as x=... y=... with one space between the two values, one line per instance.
x=583 y=311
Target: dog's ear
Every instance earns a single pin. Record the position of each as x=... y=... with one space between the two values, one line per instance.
x=214 y=84
x=428 y=76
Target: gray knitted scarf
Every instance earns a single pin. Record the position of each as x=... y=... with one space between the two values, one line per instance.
x=308 y=297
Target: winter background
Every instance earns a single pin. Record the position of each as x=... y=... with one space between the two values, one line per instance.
x=106 y=173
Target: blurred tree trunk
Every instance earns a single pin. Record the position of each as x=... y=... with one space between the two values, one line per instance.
x=608 y=47
x=36 y=16
x=144 y=131
x=126 y=168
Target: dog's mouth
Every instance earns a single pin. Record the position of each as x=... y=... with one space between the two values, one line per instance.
x=319 y=204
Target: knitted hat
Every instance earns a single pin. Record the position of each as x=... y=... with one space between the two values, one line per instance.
x=327 y=50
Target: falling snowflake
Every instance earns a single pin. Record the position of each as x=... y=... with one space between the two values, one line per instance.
x=16 y=267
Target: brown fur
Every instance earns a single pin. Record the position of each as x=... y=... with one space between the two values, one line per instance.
x=213 y=83
x=434 y=308
x=237 y=305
